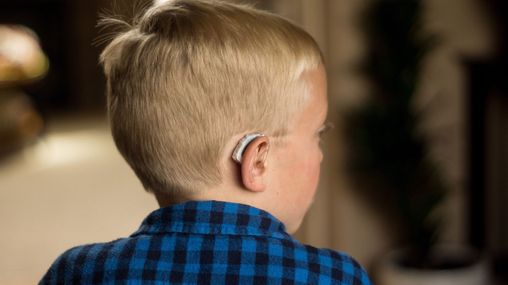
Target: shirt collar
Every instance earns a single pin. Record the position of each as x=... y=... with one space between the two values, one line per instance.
x=212 y=217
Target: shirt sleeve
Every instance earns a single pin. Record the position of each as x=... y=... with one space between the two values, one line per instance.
x=51 y=275
x=360 y=275
x=61 y=269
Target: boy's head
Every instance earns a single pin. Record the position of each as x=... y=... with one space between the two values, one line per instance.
x=188 y=76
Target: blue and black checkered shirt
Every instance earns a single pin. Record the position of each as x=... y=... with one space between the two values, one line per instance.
x=205 y=243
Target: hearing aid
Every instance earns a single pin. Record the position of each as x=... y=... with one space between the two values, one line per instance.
x=242 y=145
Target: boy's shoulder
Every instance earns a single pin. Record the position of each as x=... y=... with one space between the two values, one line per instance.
x=82 y=261
x=203 y=243
x=333 y=266
x=258 y=259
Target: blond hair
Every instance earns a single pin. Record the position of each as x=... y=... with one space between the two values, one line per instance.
x=185 y=76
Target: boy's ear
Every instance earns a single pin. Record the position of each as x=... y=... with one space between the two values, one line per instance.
x=254 y=164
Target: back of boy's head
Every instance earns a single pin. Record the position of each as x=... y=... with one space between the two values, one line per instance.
x=185 y=76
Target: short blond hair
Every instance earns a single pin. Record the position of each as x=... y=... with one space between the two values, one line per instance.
x=185 y=76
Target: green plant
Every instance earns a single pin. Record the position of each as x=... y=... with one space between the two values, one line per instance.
x=389 y=155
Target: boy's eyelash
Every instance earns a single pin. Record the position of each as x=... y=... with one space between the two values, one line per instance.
x=325 y=128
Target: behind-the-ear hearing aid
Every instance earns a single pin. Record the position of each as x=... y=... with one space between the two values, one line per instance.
x=242 y=145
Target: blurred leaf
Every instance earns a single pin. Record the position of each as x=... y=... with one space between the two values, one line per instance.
x=386 y=145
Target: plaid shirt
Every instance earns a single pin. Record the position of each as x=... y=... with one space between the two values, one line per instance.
x=205 y=243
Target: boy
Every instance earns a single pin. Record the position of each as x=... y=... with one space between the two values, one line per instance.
x=218 y=109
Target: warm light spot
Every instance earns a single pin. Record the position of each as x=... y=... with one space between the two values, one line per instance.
x=66 y=148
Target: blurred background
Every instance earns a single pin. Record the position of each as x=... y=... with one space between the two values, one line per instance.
x=439 y=67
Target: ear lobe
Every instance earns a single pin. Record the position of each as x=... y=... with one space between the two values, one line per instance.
x=254 y=164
